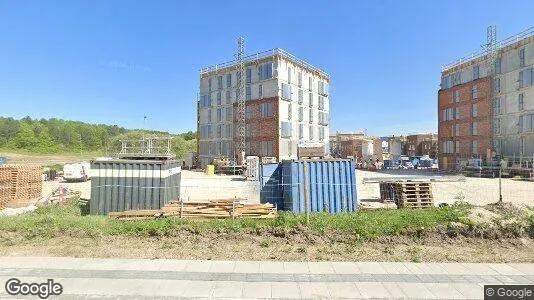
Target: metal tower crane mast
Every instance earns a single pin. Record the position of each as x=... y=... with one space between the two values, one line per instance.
x=491 y=52
x=241 y=85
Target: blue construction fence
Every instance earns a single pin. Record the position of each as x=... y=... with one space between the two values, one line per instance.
x=330 y=185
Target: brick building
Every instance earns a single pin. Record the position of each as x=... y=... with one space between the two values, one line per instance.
x=421 y=144
x=487 y=108
x=287 y=105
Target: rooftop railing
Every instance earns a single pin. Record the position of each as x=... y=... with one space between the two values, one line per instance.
x=265 y=54
x=501 y=44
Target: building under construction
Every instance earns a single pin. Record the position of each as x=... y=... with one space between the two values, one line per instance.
x=486 y=103
x=286 y=106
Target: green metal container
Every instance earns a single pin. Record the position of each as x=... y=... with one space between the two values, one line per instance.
x=120 y=185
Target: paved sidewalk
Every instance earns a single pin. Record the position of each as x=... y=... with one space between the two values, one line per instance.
x=171 y=279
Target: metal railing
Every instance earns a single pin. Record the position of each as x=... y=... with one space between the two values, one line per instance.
x=501 y=44
x=265 y=54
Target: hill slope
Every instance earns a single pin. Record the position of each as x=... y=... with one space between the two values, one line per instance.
x=56 y=136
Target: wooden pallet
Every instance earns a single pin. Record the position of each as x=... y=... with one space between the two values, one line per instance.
x=213 y=209
x=407 y=194
x=20 y=185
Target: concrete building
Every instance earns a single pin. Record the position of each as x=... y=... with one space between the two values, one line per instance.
x=422 y=144
x=287 y=105
x=396 y=147
x=473 y=123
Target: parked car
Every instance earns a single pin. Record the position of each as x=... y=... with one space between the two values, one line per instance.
x=77 y=171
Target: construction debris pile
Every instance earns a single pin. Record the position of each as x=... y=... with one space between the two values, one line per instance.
x=19 y=185
x=214 y=209
x=407 y=194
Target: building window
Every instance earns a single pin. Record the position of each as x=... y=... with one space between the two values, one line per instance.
x=457 y=146
x=310 y=83
x=267 y=148
x=289 y=111
x=457 y=130
x=301 y=131
x=286 y=129
x=248 y=130
x=321 y=133
x=497 y=85
x=474 y=110
x=219 y=98
x=229 y=113
x=229 y=80
x=522 y=58
x=520 y=100
x=497 y=106
x=228 y=100
x=310 y=99
x=452 y=130
x=248 y=147
x=301 y=96
x=299 y=79
x=474 y=128
x=260 y=91
x=266 y=109
x=526 y=123
x=249 y=93
x=219 y=82
x=311 y=115
x=286 y=91
x=457 y=96
x=457 y=114
x=497 y=126
x=301 y=114
x=209 y=84
x=249 y=76
x=475 y=92
x=526 y=78
x=248 y=112
x=498 y=65
x=265 y=71
x=219 y=131
x=219 y=115
x=311 y=135
x=476 y=72
x=229 y=131
x=321 y=102
x=205 y=100
x=289 y=75
x=475 y=146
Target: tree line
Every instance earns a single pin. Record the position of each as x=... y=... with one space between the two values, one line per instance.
x=63 y=136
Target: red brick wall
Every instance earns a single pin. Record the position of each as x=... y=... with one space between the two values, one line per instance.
x=262 y=128
x=446 y=100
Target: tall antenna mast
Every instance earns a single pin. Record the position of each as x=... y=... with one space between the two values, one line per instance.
x=491 y=52
x=241 y=85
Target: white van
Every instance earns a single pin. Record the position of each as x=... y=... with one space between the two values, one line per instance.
x=77 y=171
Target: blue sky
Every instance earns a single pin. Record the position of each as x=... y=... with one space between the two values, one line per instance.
x=115 y=61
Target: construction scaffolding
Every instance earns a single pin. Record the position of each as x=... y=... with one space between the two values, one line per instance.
x=146 y=148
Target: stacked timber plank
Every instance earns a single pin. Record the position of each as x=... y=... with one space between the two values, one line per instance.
x=19 y=184
x=212 y=209
x=407 y=194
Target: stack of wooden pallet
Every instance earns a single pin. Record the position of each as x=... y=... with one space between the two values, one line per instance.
x=232 y=208
x=407 y=193
x=19 y=184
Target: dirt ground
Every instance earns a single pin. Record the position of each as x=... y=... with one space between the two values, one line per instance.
x=476 y=191
x=44 y=160
x=293 y=247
